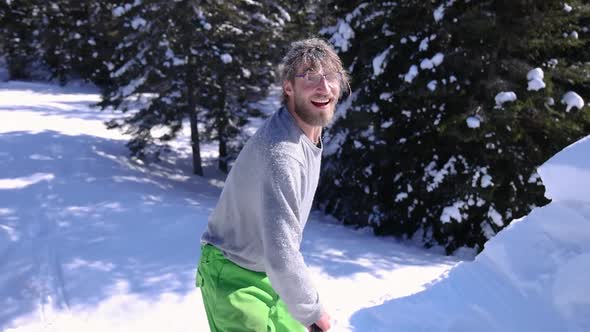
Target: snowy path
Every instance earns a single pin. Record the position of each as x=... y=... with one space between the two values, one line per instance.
x=90 y=241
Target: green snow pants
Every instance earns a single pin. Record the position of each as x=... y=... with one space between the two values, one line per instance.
x=240 y=300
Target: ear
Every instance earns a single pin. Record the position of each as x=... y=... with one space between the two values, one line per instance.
x=288 y=88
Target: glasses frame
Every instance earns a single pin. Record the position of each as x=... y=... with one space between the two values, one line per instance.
x=310 y=82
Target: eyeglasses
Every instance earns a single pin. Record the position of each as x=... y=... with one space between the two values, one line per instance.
x=313 y=78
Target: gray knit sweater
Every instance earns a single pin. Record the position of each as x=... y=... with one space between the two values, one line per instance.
x=259 y=219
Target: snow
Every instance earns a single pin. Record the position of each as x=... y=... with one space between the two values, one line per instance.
x=411 y=74
x=91 y=241
x=452 y=212
x=495 y=216
x=433 y=62
x=118 y=11
x=567 y=175
x=133 y=86
x=138 y=22
x=387 y=124
x=535 y=78
x=473 y=122
x=535 y=85
x=432 y=85
x=423 y=44
x=482 y=175
x=536 y=73
x=572 y=99
x=486 y=181
x=567 y=8
x=534 y=178
x=439 y=13
x=385 y=96
x=342 y=35
x=437 y=59
x=379 y=62
x=426 y=64
x=226 y=58
x=504 y=97
x=284 y=13
x=401 y=196
x=246 y=73
x=23 y=182
x=438 y=176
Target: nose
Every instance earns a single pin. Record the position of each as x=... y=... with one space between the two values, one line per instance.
x=323 y=85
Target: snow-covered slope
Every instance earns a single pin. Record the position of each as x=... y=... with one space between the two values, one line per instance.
x=533 y=276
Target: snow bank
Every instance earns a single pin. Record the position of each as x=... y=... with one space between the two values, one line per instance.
x=531 y=277
x=567 y=175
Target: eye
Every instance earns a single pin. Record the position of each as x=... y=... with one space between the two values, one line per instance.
x=314 y=77
x=332 y=77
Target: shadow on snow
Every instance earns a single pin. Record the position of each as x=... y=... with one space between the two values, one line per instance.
x=78 y=220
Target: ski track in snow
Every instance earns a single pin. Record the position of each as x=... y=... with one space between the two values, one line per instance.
x=52 y=296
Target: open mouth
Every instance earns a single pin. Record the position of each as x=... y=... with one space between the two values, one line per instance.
x=321 y=103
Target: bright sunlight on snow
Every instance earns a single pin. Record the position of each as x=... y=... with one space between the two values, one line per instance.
x=91 y=241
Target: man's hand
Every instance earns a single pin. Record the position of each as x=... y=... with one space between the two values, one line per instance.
x=323 y=323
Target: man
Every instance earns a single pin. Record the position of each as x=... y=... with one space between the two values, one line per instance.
x=251 y=272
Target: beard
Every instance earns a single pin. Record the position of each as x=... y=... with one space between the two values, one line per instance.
x=313 y=117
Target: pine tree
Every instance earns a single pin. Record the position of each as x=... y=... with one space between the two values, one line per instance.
x=59 y=39
x=75 y=39
x=421 y=148
x=241 y=69
x=191 y=57
x=19 y=22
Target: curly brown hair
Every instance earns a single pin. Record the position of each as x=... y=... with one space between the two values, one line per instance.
x=312 y=54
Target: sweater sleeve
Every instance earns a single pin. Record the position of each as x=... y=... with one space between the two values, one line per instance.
x=282 y=232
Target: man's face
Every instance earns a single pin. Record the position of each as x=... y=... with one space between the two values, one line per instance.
x=314 y=94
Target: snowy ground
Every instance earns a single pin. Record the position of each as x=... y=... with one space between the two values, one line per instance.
x=92 y=242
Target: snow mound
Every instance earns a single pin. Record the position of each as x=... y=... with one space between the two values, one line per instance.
x=531 y=277
x=566 y=175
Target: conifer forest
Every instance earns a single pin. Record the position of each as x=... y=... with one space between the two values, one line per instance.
x=453 y=103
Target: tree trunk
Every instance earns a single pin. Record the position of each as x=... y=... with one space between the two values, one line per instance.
x=221 y=129
x=192 y=113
